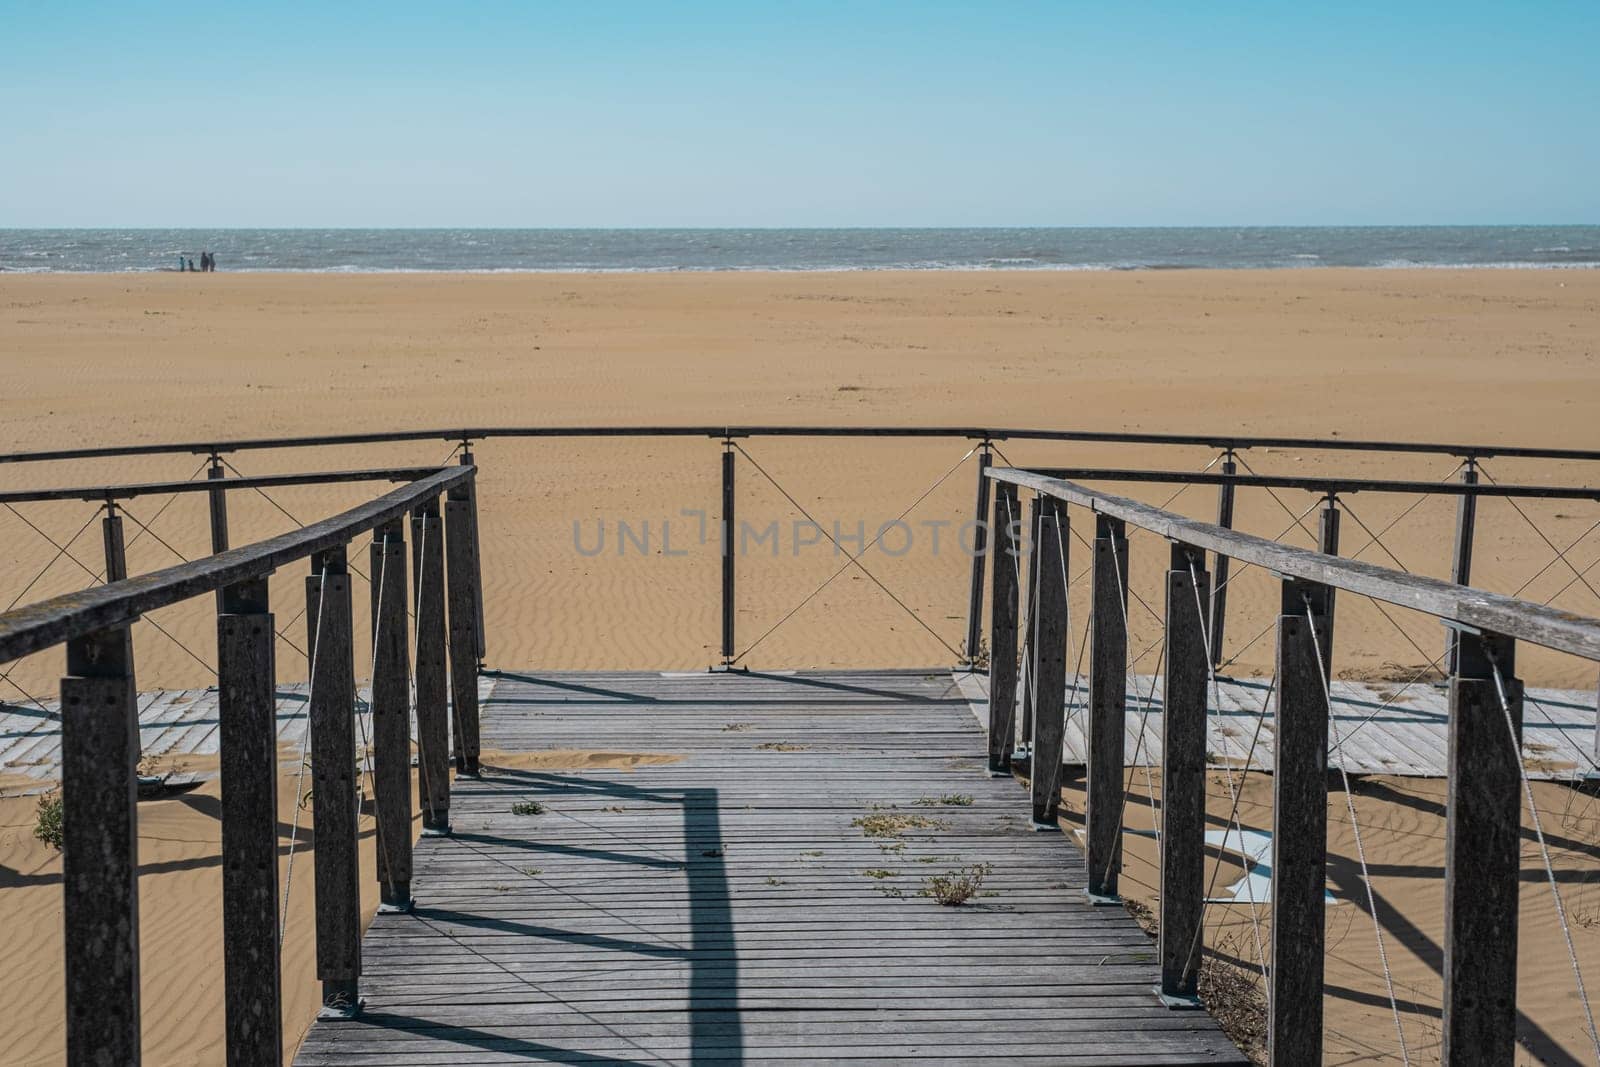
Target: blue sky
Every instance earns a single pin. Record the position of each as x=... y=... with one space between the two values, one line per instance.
x=798 y=114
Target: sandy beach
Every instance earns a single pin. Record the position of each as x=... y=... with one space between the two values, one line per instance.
x=1488 y=355
x=1479 y=356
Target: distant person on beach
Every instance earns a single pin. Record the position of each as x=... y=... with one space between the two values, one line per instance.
x=191 y=266
x=180 y=264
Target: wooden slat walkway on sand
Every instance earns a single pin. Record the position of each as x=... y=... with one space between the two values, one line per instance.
x=173 y=724
x=718 y=909
x=1386 y=728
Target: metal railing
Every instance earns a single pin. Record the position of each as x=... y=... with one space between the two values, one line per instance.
x=100 y=741
x=447 y=603
x=1486 y=778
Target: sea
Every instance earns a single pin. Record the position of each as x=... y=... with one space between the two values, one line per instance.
x=553 y=250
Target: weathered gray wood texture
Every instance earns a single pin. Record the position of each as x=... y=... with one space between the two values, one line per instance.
x=1521 y=619
x=1183 y=774
x=718 y=909
x=1003 y=629
x=1049 y=654
x=464 y=591
x=1299 y=833
x=100 y=862
x=249 y=762
x=432 y=676
x=330 y=639
x=1483 y=840
x=391 y=713
x=1108 y=706
x=1390 y=728
x=173 y=723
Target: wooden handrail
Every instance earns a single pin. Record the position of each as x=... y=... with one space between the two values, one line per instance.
x=1478 y=608
x=49 y=622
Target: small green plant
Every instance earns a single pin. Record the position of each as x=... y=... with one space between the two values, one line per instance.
x=532 y=872
x=47 y=825
x=774 y=881
x=879 y=873
x=782 y=746
x=955 y=888
x=527 y=807
x=949 y=800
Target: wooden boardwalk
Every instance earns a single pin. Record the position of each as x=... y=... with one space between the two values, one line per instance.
x=720 y=909
x=1385 y=728
x=173 y=724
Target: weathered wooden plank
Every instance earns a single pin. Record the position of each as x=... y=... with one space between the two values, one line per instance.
x=1520 y=619
x=391 y=714
x=697 y=908
x=432 y=679
x=249 y=763
x=462 y=593
x=1050 y=663
x=980 y=549
x=1183 y=775
x=100 y=854
x=1108 y=694
x=1003 y=630
x=50 y=622
x=1299 y=831
x=1030 y=607
x=331 y=645
x=1483 y=839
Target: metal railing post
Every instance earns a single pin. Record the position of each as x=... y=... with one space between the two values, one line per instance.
x=1183 y=777
x=467 y=460
x=247 y=708
x=1299 y=829
x=432 y=678
x=1050 y=664
x=727 y=543
x=100 y=854
x=219 y=513
x=1003 y=632
x=1221 y=564
x=330 y=644
x=1108 y=705
x=391 y=715
x=1461 y=561
x=1483 y=840
x=462 y=592
x=116 y=554
x=980 y=549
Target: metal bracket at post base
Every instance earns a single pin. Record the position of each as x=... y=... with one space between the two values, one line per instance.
x=396 y=899
x=1178 y=1001
x=1102 y=900
x=341 y=999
